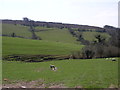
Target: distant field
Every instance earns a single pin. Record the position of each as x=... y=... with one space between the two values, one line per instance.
x=55 y=34
x=39 y=28
x=19 y=30
x=91 y=73
x=91 y=35
x=48 y=34
x=34 y=47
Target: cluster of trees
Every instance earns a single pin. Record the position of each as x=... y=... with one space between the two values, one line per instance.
x=101 y=47
x=91 y=30
x=79 y=36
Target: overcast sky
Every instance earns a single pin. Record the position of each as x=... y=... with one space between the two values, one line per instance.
x=83 y=12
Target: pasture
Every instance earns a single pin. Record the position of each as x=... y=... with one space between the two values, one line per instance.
x=36 y=47
x=82 y=73
x=91 y=73
x=57 y=35
x=19 y=30
x=49 y=34
x=91 y=35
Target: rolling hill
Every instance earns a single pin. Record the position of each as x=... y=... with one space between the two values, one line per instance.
x=90 y=36
x=35 y=47
x=19 y=30
x=56 y=43
x=49 y=34
x=55 y=34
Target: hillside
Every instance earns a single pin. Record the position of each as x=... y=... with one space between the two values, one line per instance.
x=83 y=56
x=19 y=30
x=90 y=36
x=49 y=34
x=69 y=37
x=27 y=21
x=55 y=34
x=53 y=41
x=36 y=47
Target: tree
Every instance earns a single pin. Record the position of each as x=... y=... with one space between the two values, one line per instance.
x=47 y=25
x=100 y=39
x=88 y=52
x=13 y=35
x=72 y=31
x=80 y=37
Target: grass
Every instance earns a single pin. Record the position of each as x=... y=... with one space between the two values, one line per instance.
x=36 y=47
x=44 y=28
x=58 y=35
x=19 y=30
x=49 y=34
x=91 y=35
x=92 y=73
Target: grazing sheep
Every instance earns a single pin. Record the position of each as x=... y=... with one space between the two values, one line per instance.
x=113 y=59
x=23 y=87
x=52 y=67
x=107 y=59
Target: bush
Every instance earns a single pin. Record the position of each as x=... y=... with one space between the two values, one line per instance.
x=88 y=52
x=76 y=55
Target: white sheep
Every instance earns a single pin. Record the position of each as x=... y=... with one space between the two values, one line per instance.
x=107 y=59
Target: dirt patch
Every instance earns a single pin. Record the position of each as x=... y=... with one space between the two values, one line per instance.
x=25 y=84
x=78 y=87
x=57 y=86
x=32 y=84
x=113 y=86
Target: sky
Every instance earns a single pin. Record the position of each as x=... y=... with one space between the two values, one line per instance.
x=83 y=12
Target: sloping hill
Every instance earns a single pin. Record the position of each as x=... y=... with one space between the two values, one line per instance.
x=36 y=47
x=19 y=30
x=55 y=34
x=90 y=36
x=49 y=34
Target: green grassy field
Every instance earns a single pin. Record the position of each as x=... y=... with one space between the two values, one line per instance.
x=91 y=35
x=36 y=47
x=19 y=30
x=49 y=34
x=92 y=73
x=58 y=35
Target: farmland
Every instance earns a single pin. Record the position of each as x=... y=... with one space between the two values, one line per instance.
x=58 y=35
x=34 y=47
x=19 y=30
x=92 y=73
x=48 y=34
x=71 y=72
x=91 y=35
